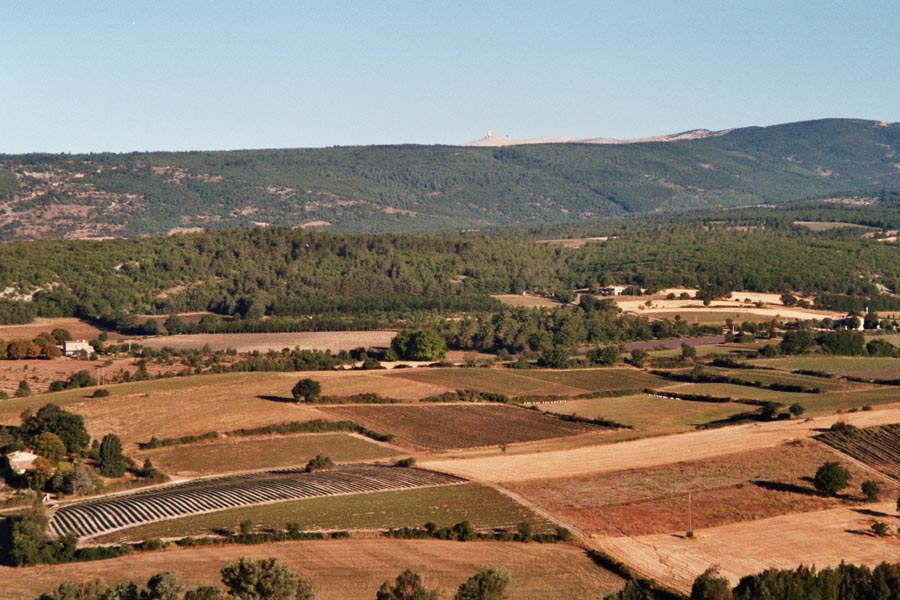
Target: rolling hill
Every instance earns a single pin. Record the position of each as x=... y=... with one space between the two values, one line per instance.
x=434 y=188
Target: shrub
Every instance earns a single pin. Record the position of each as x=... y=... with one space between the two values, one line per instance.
x=319 y=463
x=831 y=478
x=307 y=389
x=871 y=490
x=880 y=528
x=100 y=393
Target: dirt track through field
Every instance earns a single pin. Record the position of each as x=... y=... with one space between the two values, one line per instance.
x=647 y=452
x=822 y=538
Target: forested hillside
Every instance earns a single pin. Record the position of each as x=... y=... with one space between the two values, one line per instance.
x=439 y=188
x=287 y=273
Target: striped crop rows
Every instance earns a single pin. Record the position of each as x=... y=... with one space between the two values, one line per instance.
x=91 y=518
x=878 y=447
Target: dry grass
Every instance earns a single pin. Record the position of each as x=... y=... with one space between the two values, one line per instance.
x=350 y=568
x=725 y=489
x=498 y=381
x=822 y=538
x=647 y=452
x=648 y=415
x=76 y=327
x=447 y=426
x=178 y=406
x=245 y=454
x=526 y=301
x=730 y=390
x=482 y=506
x=263 y=342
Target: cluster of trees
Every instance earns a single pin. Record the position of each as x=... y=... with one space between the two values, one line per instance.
x=45 y=345
x=66 y=464
x=844 y=582
x=270 y=579
x=842 y=342
x=243 y=579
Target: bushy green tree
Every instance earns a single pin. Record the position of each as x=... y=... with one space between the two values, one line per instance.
x=486 y=584
x=265 y=579
x=112 y=461
x=68 y=426
x=831 y=478
x=49 y=446
x=306 y=389
x=424 y=344
x=407 y=586
x=710 y=586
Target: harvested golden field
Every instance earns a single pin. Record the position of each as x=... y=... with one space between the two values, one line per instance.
x=41 y=373
x=527 y=301
x=497 y=381
x=246 y=454
x=350 y=568
x=80 y=330
x=176 y=407
x=725 y=489
x=463 y=425
x=821 y=538
x=648 y=415
x=263 y=342
x=647 y=452
x=444 y=506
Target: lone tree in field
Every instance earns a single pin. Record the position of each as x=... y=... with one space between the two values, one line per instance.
x=112 y=462
x=871 y=490
x=307 y=389
x=831 y=478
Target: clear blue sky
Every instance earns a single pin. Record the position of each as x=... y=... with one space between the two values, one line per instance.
x=151 y=75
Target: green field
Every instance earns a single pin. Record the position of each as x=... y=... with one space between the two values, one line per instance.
x=245 y=454
x=648 y=415
x=854 y=366
x=730 y=390
x=769 y=377
x=600 y=380
x=482 y=506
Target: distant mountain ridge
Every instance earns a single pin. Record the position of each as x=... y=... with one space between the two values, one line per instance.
x=496 y=141
x=433 y=188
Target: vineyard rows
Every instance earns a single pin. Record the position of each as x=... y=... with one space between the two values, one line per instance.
x=92 y=518
x=878 y=447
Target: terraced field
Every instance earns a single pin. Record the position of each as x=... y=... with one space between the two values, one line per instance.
x=878 y=447
x=92 y=518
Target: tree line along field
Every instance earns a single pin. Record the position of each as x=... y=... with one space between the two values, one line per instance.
x=352 y=568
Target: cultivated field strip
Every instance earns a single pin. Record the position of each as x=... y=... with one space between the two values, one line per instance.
x=878 y=447
x=92 y=518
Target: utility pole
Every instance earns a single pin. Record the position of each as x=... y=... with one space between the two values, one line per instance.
x=690 y=531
